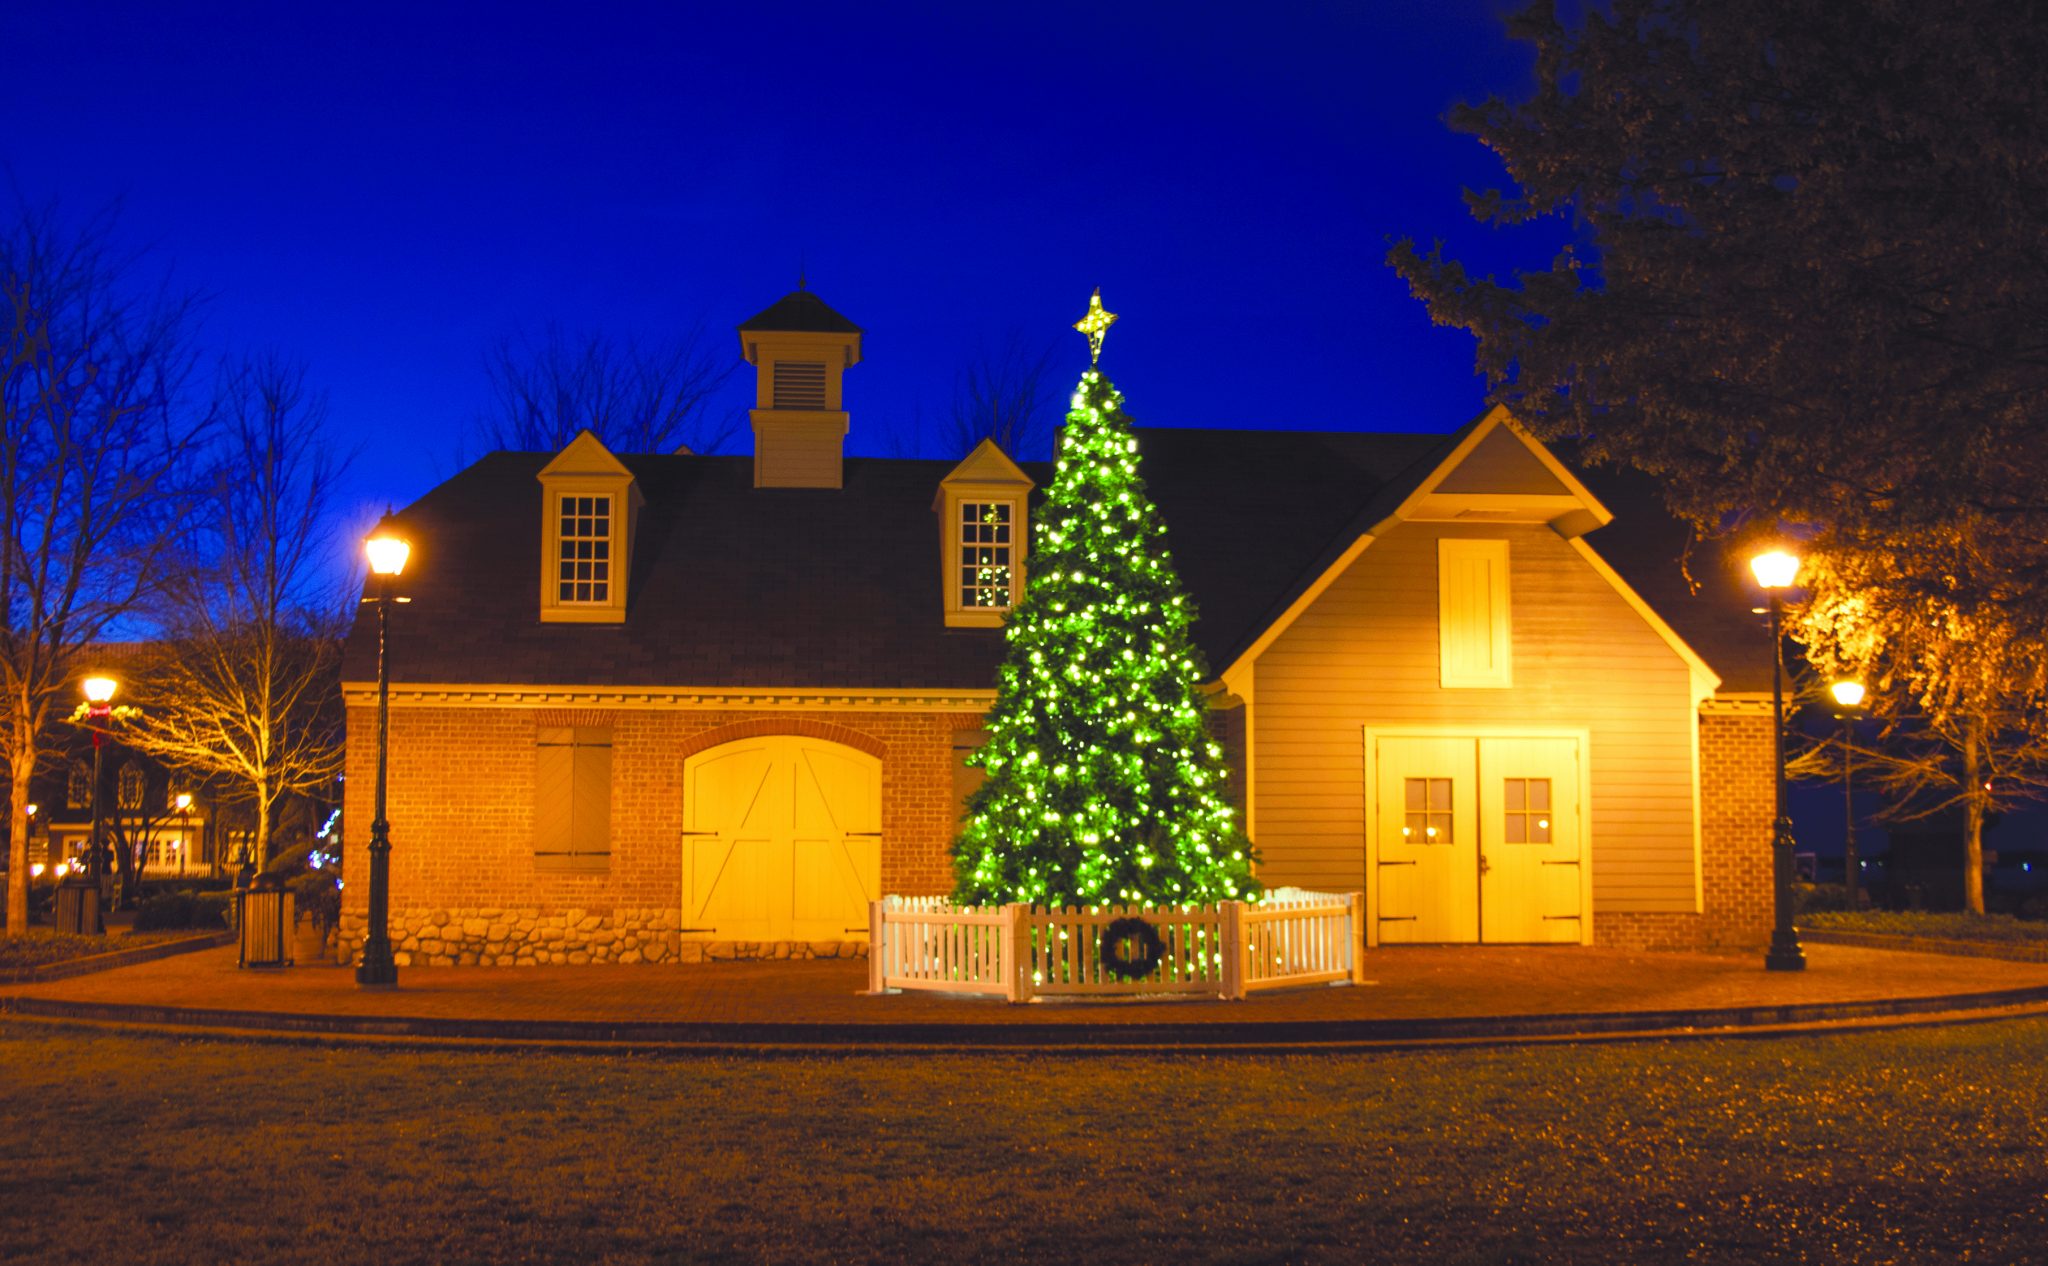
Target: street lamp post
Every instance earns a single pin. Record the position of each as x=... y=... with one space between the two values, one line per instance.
x=1775 y=571
x=1849 y=698
x=387 y=551
x=99 y=699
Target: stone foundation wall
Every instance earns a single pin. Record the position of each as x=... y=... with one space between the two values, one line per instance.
x=493 y=937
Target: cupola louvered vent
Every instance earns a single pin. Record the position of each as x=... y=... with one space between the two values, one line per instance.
x=799 y=384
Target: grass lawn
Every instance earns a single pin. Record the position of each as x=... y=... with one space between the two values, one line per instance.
x=2001 y=929
x=1919 y=1145
x=42 y=946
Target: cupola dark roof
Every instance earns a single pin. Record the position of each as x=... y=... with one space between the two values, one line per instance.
x=802 y=311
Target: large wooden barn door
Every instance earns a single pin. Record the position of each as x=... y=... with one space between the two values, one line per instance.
x=781 y=840
x=1477 y=839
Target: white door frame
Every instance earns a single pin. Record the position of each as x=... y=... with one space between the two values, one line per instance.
x=1582 y=737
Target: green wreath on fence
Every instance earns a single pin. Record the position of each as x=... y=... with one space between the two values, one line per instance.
x=1131 y=948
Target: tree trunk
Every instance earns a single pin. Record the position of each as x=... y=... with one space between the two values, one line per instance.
x=23 y=768
x=1973 y=817
x=263 y=812
x=124 y=856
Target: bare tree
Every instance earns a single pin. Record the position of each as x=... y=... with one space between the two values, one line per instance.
x=93 y=446
x=1958 y=680
x=247 y=687
x=1003 y=395
x=135 y=821
x=658 y=398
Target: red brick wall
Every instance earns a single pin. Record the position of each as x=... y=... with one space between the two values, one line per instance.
x=1738 y=778
x=1736 y=784
x=462 y=804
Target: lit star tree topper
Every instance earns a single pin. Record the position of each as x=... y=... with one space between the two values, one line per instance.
x=1103 y=785
x=1095 y=324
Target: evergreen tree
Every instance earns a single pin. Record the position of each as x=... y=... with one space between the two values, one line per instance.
x=1104 y=787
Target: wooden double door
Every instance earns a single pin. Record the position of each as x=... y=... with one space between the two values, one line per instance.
x=1477 y=839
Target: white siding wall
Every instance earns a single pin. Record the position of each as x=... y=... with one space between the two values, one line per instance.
x=1366 y=654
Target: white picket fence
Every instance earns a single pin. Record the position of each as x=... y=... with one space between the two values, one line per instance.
x=1018 y=952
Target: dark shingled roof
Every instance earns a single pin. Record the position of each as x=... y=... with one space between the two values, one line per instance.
x=1700 y=588
x=1253 y=517
x=802 y=311
x=741 y=587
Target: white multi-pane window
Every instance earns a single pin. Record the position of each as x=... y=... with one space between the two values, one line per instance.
x=585 y=565
x=1527 y=803
x=78 y=787
x=166 y=854
x=131 y=787
x=1427 y=813
x=986 y=548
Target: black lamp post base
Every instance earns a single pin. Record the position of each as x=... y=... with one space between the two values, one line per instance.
x=1785 y=955
x=377 y=975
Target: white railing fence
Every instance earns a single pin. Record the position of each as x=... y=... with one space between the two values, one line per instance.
x=1018 y=952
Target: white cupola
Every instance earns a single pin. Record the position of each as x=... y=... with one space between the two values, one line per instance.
x=799 y=347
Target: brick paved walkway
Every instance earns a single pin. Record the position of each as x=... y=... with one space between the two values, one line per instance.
x=1443 y=991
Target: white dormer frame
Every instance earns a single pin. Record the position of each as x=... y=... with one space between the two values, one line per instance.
x=985 y=476
x=586 y=468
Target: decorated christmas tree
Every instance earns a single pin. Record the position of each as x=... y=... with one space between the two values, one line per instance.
x=1103 y=786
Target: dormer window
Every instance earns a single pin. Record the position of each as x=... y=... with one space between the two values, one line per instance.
x=587 y=511
x=987 y=560
x=982 y=537
x=584 y=559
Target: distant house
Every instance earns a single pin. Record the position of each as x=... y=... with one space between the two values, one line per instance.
x=643 y=705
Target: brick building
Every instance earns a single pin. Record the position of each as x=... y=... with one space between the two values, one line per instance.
x=646 y=706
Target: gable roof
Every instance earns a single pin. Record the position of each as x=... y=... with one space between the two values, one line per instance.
x=988 y=465
x=741 y=587
x=585 y=455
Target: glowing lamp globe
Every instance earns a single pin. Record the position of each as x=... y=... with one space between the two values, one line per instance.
x=387 y=549
x=1776 y=569
x=1847 y=693
x=98 y=690
x=184 y=801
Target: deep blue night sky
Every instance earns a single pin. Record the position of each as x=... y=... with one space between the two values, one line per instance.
x=382 y=191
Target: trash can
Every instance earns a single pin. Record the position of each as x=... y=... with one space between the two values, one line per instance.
x=78 y=907
x=264 y=915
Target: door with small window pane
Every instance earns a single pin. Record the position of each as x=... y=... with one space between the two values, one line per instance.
x=1477 y=839
x=1427 y=870
x=1530 y=841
